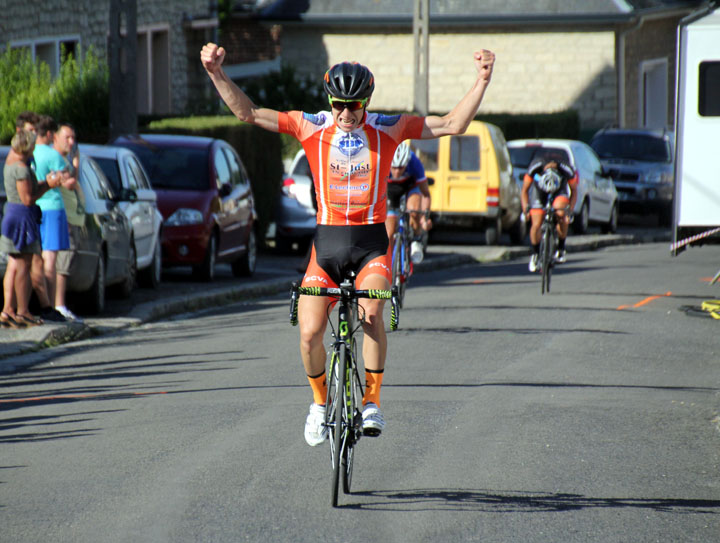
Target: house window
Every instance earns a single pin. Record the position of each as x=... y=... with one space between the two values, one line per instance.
x=708 y=96
x=153 y=70
x=51 y=50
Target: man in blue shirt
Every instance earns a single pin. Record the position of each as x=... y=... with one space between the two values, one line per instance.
x=54 y=230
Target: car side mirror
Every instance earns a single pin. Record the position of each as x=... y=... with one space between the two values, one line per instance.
x=225 y=190
x=128 y=195
x=430 y=181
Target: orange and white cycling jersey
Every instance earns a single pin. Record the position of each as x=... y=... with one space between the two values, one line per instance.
x=350 y=169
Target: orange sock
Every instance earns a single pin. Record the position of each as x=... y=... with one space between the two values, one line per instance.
x=373 y=382
x=319 y=388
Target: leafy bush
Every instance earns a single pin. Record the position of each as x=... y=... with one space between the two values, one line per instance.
x=25 y=86
x=79 y=95
x=286 y=90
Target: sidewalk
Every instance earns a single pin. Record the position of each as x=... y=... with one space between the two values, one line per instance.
x=17 y=342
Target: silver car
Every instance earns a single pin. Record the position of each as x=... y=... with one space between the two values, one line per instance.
x=296 y=209
x=641 y=163
x=597 y=200
x=138 y=201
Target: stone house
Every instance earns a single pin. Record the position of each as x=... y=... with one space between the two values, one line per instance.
x=170 y=34
x=611 y=60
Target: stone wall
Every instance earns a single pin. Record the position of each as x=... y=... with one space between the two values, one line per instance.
x=534 y=72
x=89 y=20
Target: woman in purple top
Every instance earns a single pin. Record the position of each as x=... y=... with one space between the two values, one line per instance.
x=21 y=228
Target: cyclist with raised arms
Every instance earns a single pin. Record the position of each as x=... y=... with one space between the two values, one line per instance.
x=350 y=153
x=548 y=177
x=407 y=178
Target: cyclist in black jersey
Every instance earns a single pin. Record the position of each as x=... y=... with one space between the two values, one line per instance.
x=548 y=177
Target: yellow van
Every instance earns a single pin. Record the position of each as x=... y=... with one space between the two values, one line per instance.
x=471 y=183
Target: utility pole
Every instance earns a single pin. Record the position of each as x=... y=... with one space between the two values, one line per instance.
x=122 y=58
x=421 y=40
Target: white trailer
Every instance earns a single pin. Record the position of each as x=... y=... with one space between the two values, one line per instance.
x=697 y=124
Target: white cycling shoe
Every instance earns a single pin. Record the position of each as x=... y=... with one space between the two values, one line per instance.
x=373 y=421
x=416 y=252
x=560 y=256
x=533 y=264
x=315 y=430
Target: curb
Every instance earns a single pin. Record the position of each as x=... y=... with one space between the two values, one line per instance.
x=36 y=339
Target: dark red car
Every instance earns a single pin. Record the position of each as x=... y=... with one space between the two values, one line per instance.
x=205 y=198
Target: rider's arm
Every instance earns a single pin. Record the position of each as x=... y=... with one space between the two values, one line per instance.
x=524 y=193
x=244 y=109
x=457 y=121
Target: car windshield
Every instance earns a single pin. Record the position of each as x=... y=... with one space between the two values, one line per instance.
x=175 y=168
x=632 y=147
x=521 y=156
x=112 y=172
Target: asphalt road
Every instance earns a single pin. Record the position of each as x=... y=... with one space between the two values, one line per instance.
x=587 y=414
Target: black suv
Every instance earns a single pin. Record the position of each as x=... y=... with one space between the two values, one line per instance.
x=640 y=162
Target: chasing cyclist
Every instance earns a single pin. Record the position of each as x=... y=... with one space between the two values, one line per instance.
x=407 y=178
x=350 y=153
x=548 y=177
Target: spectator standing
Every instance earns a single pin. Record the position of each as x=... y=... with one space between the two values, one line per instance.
x=54 y=231
x=28 y=120
x=20 y=228
x=65 y=143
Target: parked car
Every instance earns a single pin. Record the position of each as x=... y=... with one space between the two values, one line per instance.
x=296 y=208
x=105 y=255
x=205 y=198
x=138 y=201
x=597 y=200
x=470 y=182
x=641 y=163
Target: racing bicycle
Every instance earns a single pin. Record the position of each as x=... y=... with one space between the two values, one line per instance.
x=548 y=244
x=401 y=243
x=343 y=415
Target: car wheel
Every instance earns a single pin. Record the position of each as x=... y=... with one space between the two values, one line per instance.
x=492 y=233
x=95 y=301
x=152 y=275
x=127 y=286
x=206 y=270
x=580 y=224
x=245 y=265
x=611 y=226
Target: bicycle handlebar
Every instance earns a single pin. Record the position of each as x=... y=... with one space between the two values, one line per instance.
x=345 y=292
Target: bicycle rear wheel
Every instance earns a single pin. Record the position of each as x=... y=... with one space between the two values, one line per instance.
x=336 y=393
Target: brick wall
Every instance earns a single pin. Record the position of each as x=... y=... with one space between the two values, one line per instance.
x=534 y=72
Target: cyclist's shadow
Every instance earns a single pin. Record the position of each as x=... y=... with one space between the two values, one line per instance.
x=489 y=501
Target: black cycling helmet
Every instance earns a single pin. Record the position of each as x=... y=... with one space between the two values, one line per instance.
x=349 y=81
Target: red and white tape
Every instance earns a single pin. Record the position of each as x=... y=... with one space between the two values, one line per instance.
x=696 y=237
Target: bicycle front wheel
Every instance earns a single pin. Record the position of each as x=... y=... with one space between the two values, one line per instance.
x=354 y=403
x=546 y=252
x=336 y=389
x=398 y=279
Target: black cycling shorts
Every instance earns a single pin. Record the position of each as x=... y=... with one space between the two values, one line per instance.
x=338 y=250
